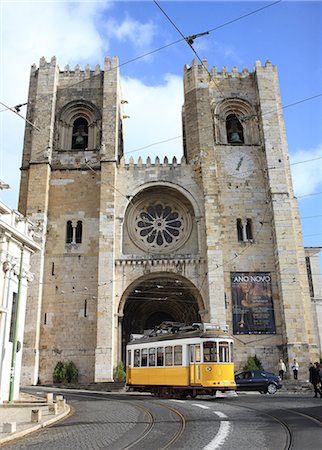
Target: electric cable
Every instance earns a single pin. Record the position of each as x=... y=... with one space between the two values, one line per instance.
x=172 y=43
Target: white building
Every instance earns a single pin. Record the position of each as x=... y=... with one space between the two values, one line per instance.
x=16 y=245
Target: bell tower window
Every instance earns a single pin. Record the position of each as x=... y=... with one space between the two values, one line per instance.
x=78 y=127
x=80 y=134
x=235 y=134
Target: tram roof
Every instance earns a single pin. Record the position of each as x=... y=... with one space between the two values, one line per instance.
x=181 y=335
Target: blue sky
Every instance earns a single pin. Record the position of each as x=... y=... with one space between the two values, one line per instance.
x=287 y=33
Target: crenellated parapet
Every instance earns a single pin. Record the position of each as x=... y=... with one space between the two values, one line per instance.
x=131 y=165
x=199 y=74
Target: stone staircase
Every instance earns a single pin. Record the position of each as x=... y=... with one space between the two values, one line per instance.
x=297 y=386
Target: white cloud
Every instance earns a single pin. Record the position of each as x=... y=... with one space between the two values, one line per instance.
x=129 y=30
x=30 y=30
x=155 y=115
x=307 y=176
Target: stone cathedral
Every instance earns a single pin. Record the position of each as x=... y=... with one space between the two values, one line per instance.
x=212 y=237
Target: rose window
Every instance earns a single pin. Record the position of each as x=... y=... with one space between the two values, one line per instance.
x=158 y=222
x=159 y=225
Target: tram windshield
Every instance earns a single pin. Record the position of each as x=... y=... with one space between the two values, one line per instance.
x=217 y=352
x=210 y=351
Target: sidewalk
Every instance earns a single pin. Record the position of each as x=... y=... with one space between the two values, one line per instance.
x=18 y=416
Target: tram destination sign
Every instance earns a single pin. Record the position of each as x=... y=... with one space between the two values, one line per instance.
x=252 y=304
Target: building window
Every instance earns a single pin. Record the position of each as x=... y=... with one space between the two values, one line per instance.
x=80 y=134
x=79 y=232
x=74 y=233
x=235 y=133
x=309 y=274
x=244 y=230
x=13 y=317
x=69 y=232
x=78 y=126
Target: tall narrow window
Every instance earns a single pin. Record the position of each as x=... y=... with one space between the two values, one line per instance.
x=80 y=134
x=235 y=134
x=249 y=231
x=79 y=232
x=239 y=230
x=69 y=232
x=309 y=274
x=13 y=317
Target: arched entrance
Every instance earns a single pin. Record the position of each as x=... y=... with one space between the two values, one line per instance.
x=157 y=298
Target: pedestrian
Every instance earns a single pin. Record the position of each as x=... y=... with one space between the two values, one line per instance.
x=281 y=368
x=315 y=378
x=295 y=368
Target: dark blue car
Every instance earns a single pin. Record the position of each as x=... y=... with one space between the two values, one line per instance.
x=258 y=380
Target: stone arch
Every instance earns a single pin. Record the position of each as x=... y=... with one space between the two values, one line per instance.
x=245 y=114
x=157 y=297
x=75 y=111
x=161 y=219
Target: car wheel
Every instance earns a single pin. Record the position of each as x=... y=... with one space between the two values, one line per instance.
x=271 y=388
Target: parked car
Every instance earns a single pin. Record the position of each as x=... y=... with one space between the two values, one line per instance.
x=258 y=380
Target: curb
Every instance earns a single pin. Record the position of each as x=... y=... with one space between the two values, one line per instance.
x=46 y=423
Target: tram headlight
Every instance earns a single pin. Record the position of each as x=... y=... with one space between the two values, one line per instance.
x=208 y=369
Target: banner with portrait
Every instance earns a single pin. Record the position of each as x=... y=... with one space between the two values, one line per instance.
x=252 y=304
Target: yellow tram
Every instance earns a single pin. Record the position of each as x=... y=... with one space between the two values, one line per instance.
x=175 y=360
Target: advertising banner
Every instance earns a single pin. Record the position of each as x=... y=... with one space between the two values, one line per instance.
x=252 y=304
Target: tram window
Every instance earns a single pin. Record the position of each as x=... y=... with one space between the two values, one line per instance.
x=160 y=356
x=129 y=358
x=210 y=351
x=151 y=357
x=178 y=355
x=137 y=357
x=231 y=352
x=223 y=352
x=144 y=357
x=191 y=354
x=168 y=356
x=198 y=357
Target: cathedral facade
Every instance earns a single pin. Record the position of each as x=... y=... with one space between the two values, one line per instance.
x=212 y=237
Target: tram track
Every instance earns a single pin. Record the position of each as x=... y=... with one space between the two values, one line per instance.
x=289 y=434
x=152 y=420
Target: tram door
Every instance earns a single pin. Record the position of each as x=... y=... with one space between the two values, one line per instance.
x=194 y=367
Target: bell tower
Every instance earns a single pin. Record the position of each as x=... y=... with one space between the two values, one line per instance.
x=234 y=138
x=71 y=148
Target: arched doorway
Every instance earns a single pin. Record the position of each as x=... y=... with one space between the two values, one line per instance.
x=155 y=299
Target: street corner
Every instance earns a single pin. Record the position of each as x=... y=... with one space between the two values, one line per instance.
x=29 y=414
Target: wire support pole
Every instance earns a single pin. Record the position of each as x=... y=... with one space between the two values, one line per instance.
x=15 y=336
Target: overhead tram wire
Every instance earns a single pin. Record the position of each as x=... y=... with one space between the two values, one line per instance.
x=174 y=43
x=16 y=111
x=190 y=39
x=268 y=112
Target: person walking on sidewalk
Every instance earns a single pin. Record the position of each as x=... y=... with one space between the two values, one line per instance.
x=295 y=368
x=315 y=378
x=281 y=368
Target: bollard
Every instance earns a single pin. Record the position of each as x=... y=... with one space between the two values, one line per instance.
x=50 y=397
x=9 y=427
x=61 y=403
x=35 y=415
x=53 y=409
